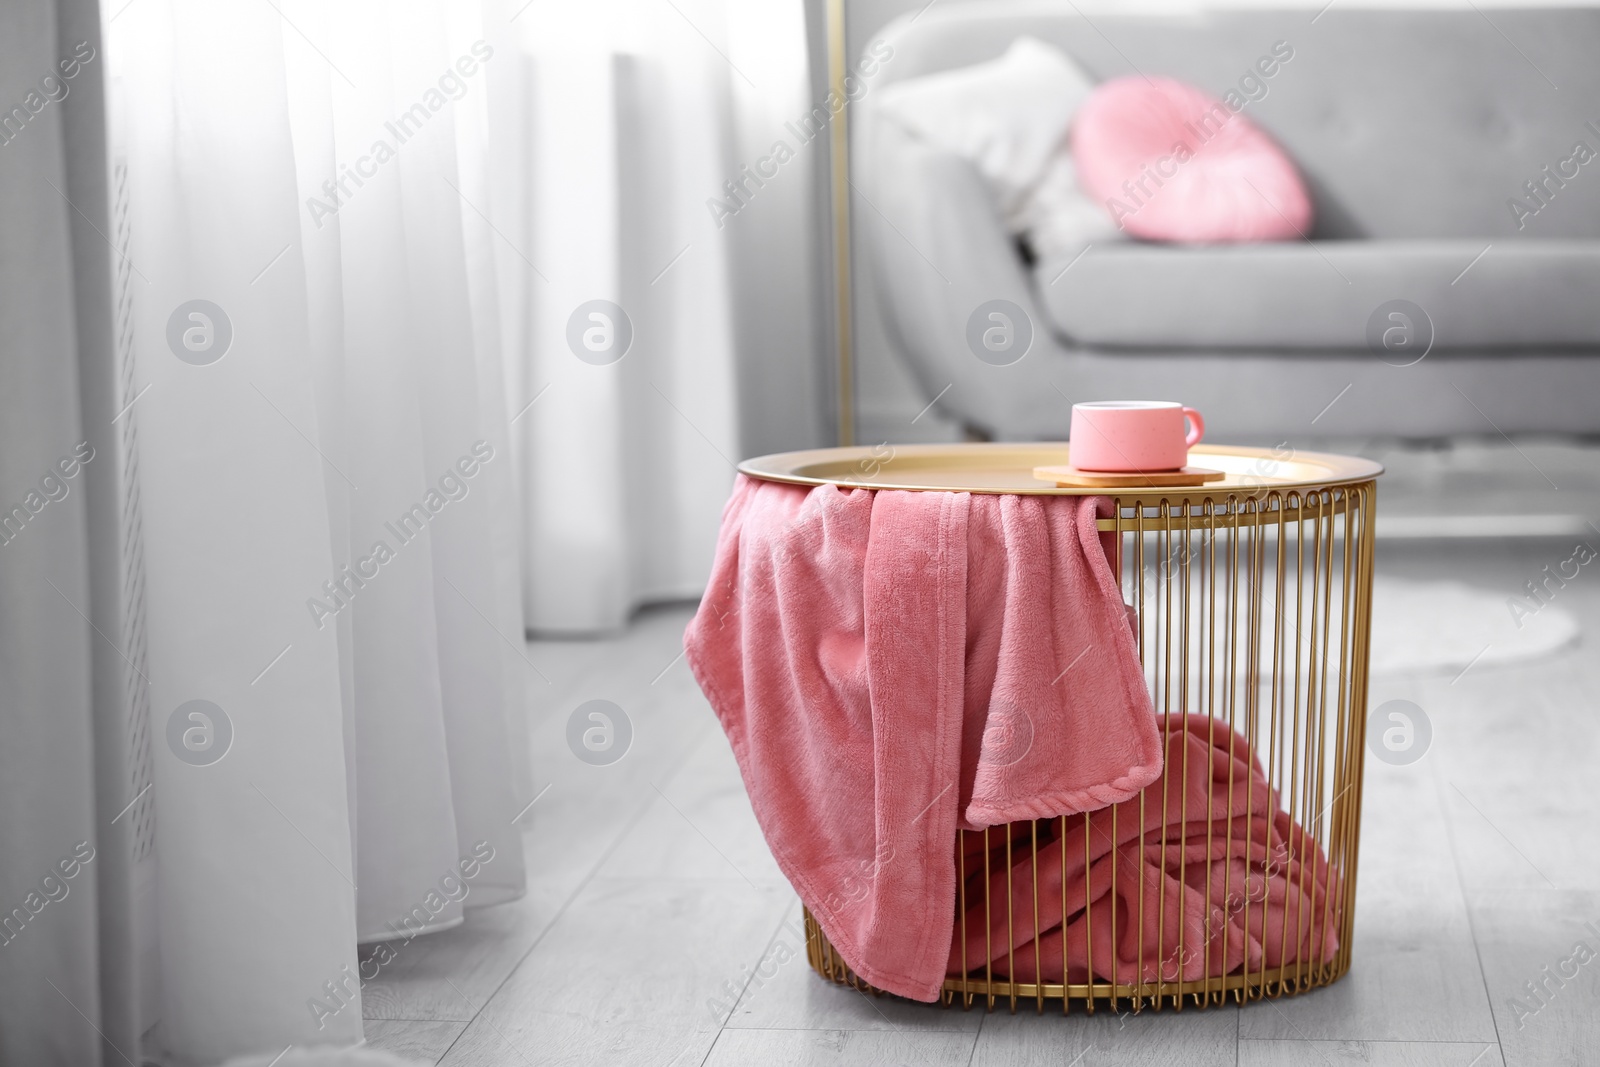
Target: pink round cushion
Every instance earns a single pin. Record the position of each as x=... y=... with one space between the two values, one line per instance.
x=1171 y=163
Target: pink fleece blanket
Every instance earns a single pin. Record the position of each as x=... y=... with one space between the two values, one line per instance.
x=1249 y=887
x=892 y=666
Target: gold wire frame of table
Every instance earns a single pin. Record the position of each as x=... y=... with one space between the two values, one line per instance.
x=1253 y=599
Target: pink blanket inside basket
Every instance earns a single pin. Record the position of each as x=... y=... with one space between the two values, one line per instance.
x=1246 y=888
x=892 y=666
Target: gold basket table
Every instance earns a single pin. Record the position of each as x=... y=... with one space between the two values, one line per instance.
x=1253 y=600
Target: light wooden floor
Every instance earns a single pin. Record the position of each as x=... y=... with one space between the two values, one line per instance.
x=652 y=897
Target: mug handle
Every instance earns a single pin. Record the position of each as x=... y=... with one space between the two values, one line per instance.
x=1196 y=434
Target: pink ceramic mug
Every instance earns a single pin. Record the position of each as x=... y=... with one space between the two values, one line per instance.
x=1133 y=435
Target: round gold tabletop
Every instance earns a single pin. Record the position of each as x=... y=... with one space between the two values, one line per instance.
x=1009 y=468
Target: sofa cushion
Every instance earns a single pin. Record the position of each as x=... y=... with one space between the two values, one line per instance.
x=1173 y=163
x=1323 y=295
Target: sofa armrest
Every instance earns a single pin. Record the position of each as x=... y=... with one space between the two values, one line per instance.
x=938 y=249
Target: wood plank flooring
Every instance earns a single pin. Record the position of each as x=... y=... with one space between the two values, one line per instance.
x=657 y=929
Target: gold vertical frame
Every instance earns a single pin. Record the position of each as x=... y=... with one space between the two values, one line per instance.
x=839 y=201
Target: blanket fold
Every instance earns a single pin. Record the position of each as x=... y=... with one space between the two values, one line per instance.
x=892 y=666
x=1222 y=878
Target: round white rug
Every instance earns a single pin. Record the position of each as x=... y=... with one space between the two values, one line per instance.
x=1447 y=625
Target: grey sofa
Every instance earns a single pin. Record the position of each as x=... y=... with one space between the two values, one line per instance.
x=1414 y=131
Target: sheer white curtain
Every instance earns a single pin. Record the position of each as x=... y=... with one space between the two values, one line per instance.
x=626 y=458
x=324 y=507
x=53 y=465
x=294 y=285
x=307 y=732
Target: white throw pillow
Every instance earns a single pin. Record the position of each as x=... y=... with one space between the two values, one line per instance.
x=1009 y=116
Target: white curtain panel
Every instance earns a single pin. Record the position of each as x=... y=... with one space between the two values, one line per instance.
x=324 y=499
x=627 y=450
x=291 y=400
x=57 y=852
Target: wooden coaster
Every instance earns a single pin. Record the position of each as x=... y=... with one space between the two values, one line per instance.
x=1072 y=476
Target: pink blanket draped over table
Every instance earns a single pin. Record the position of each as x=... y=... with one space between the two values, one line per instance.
x=891 y=667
